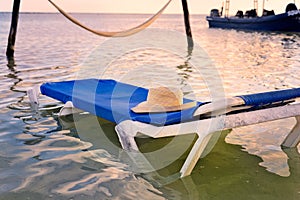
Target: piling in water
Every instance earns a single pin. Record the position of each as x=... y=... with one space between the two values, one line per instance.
x=13 y=30
x=187 y=24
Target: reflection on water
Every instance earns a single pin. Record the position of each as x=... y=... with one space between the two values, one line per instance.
x=268 y=145
x=45 y=157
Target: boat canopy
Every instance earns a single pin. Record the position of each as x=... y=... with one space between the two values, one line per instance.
x=290 y=6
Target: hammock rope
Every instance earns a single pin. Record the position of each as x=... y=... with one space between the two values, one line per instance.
x=123 y=33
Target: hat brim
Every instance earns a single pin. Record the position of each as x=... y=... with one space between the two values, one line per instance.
x=146 y=107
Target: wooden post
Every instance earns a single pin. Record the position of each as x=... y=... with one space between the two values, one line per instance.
x=227 y=4
x=13 y=30
x=187 y=24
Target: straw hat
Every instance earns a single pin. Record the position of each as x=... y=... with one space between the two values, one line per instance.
x=163 y=99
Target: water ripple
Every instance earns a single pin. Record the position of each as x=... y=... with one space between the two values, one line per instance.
x=44 y=158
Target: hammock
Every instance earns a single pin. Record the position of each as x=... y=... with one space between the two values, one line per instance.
x=117 y=33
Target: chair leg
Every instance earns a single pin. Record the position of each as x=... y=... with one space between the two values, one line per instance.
x=195 y=154
x=293 y=139
x=33 y=94
x=126 y=136
x=69 y=109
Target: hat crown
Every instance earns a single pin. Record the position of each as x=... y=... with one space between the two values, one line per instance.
x=163 y=99
x=165 y=96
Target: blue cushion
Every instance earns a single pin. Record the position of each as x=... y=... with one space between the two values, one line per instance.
x=112 y=100
x=270 y=97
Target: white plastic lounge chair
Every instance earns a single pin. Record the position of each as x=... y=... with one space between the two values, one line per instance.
x=113 y=101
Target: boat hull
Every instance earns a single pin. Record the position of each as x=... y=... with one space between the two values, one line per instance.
x=289 y=21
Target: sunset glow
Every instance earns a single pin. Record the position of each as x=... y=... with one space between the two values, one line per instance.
x=138 y=6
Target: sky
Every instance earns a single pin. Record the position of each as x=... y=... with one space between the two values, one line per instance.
x=140 y=6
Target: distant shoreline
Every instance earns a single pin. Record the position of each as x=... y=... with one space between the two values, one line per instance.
x=5 y=12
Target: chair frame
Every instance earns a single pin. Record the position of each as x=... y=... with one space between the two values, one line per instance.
x=128 y=130
x=205 y=128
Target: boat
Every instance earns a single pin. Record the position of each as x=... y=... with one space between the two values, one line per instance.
x=289 y=21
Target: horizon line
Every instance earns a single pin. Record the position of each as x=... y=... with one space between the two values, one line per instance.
x=43 y=12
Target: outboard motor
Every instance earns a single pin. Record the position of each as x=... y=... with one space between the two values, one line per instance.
x=268 y=12
x=239 y=14
x=251 y=13
x=290 y=6
x=214 y=13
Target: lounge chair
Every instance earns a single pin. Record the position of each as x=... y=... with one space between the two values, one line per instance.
x=113 y=101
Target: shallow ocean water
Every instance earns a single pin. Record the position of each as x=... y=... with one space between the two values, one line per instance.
x=45 y=157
